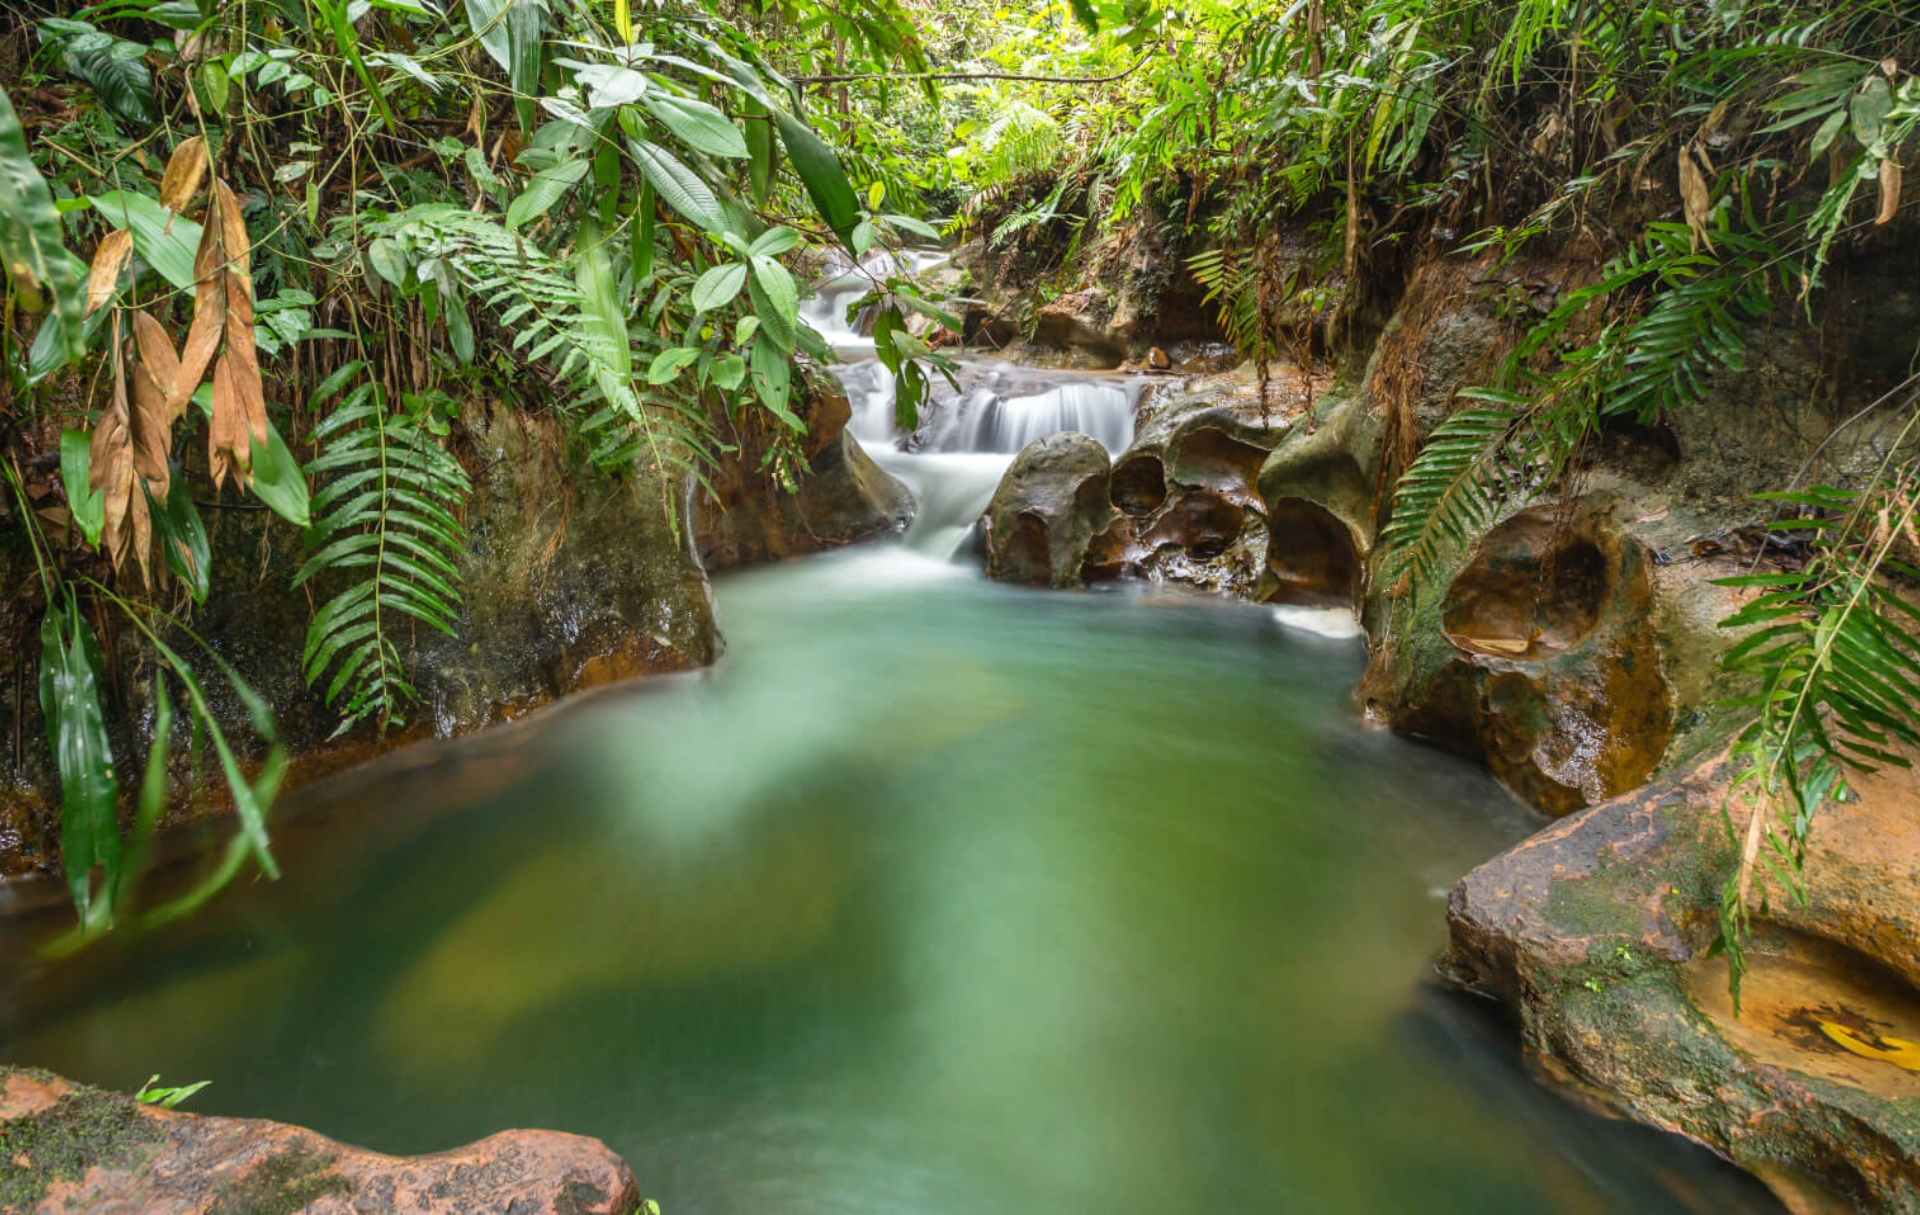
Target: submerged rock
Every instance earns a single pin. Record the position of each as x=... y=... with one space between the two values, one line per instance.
x=1596 y=932
x=1050 y=506
x=68 y=1148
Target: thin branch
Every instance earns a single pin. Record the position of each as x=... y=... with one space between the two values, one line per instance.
x=853 y=76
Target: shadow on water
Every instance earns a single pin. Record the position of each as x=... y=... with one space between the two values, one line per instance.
x=936 y=896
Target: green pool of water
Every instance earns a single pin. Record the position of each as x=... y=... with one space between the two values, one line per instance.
x=935 y=897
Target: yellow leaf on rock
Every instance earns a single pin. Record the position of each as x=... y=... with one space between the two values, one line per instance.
x=1897 y=1051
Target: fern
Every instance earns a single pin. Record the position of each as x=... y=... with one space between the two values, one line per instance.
x=388 y=516
x=569 y=318
x=1453 y=489
x=1834 y=658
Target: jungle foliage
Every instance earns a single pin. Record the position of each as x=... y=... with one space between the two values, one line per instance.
x=311 y=229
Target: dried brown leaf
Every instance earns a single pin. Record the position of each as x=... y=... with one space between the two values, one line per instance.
x=223 y=325
x=108 y=261
x=1696 y=197
x=1890 y=181
x=158 y=357
x=185 y=170
x=129 y=528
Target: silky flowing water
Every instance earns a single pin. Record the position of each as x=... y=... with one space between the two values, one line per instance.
x=935 y=896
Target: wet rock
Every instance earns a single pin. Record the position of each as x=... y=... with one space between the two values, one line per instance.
x=1596 y=932
x=68 y=1148
x=841 y=498
x=1543 y=664
x=1050 y=506
x=1187 y=487
x=1079 y=321
x=1319 y=486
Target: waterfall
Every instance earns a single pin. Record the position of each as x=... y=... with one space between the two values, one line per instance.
x=970 y=430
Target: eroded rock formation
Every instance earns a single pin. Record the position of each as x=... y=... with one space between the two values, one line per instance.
x=1597 y=930
x=70 y=1150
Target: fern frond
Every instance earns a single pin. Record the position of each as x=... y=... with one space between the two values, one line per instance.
x=1451 y=492
x=388 y=514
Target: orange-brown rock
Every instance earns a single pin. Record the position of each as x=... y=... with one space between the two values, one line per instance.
x=1598 y=932
x=66 y=1149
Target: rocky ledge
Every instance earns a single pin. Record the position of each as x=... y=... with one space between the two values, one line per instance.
x=68 y=1148
x=1597 y=932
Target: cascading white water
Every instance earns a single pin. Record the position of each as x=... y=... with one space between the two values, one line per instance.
x=967 y=436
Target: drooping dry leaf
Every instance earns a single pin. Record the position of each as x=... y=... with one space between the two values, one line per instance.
x=1696 y=197
x=129 y=528
x=1890 y=181
x=158 y=357
x=153 y=414
x=223 y=324
x=108 y=260
x=184 y=173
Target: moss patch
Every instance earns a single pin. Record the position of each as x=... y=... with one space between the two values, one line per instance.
x=60 y=1143
x=282 y=1185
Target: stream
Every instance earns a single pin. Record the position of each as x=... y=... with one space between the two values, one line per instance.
x=935 y=896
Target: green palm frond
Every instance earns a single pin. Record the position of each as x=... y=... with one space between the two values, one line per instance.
x=388 y=516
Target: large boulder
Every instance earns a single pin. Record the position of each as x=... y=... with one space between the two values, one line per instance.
x=1048 y=509
x=1597 y=932
x=65 y=1148
x=746 y=514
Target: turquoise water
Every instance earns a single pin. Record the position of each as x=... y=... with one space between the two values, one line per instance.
x=935 y=896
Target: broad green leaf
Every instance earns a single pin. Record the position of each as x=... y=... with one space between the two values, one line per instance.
x=1871 y=106
x=643 y=233
x=862 y=238
x=459 y=328
x=773 y=242
x=717 y=287
x=907 y=223
x=511 y=31
x=388 y=261
x=698 y=124
x=821 y=173
x=729 y=371
x=70 y=679
x=775 y=294
x=278 y=480
x=87 y=505
x=548 y=187
x=669 y=363
x=773 y=382
x=678 y=185
x=114 y=67
x=166 y=241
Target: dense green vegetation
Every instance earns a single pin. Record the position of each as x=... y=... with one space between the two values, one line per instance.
x=600 y=209
x=322 y=226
